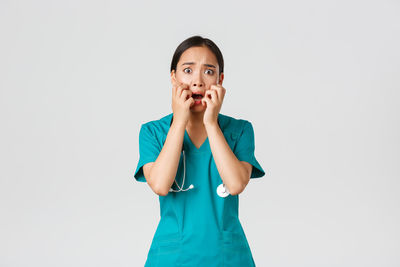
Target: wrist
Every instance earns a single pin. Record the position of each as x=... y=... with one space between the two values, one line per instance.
x=211 y=126
x=178 y=125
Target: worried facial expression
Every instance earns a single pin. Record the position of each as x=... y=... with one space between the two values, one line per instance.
x=198 y=68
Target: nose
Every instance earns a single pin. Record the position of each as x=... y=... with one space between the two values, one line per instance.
x=198 y=84
x=198 y=81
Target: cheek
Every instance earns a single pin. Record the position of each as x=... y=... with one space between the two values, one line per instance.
x=213 y=79
x=210 y=79
x=210 y=82
x=183 y=79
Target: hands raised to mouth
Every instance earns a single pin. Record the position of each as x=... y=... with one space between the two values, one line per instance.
x=183 y=99
x=213 y=100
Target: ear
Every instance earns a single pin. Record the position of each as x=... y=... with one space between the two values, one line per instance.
x=173 y=78
x=221 y=78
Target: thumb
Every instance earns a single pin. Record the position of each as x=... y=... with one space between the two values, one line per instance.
x=190 y=101
x=204 y=101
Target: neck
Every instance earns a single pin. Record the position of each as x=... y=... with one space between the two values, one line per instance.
x=196 y=120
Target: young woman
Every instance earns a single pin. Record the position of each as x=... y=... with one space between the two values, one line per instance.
x=198 y=161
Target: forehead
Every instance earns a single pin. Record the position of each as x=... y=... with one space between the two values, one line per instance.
x=198 y=54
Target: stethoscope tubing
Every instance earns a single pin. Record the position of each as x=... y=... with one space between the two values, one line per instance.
x=184 y=176
x=222 y=191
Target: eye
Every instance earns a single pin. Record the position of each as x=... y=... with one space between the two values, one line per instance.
x=186 y=69
x=211 y=71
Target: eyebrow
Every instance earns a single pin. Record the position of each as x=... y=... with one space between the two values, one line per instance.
x=192 y=63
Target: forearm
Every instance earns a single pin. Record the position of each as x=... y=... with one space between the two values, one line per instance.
x=164 y=169
x=232 y=171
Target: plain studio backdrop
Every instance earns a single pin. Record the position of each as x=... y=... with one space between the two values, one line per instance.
x=319 y=80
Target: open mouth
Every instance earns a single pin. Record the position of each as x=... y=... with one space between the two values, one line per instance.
x=197 y=96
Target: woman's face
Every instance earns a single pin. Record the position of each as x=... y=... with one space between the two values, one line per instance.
x=198 y=68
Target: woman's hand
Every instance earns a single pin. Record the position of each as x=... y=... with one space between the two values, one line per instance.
x=181 y=101
x=213 y=99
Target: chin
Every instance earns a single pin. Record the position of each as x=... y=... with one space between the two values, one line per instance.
x=199 y=108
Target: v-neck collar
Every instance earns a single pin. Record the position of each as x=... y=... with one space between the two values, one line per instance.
x=192 y=148
x=192 y=145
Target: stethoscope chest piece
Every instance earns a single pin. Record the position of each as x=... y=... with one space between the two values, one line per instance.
x=222 y=190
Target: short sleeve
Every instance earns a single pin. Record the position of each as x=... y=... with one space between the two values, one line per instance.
x=244 y=150
x=149 y=150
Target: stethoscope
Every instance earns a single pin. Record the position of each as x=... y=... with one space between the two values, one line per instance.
x=222 y=190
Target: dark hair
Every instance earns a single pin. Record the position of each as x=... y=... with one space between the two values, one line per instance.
x=197 y=41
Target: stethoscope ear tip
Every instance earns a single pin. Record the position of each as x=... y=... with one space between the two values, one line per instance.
x=191 y=186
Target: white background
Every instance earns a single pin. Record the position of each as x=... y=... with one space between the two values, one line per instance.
x=319 y=80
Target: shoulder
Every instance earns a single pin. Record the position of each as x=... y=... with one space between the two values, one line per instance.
x=232 y=124
x=158 y=126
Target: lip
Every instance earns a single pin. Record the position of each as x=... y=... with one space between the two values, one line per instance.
x=197 y=102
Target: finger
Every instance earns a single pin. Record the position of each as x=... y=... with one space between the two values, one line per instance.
x=190 y=93
x=205 y=101
x=213 y=95
x=221 y=90
x=185 y=88
x=175 y=85
x=181 y=88
x=189 y=102
x=186 y=94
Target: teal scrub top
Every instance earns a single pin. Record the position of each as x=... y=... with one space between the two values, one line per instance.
x=198 y=227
